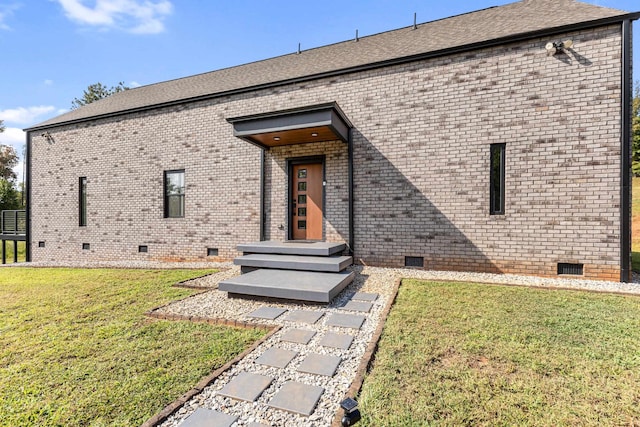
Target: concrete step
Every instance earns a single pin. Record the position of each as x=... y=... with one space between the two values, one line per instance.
x=288 y=284
x=332 y=264
x=293 y=248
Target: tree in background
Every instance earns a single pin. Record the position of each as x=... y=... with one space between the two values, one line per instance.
x=96 y=92
x=635 y=131
x=9 y=196
x=8 y=160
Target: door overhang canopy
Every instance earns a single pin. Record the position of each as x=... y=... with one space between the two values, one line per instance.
x=316 y=123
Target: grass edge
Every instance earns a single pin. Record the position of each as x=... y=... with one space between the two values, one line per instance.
x=369 y=355
x=174 y=406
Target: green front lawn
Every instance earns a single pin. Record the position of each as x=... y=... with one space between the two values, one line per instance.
x=455 y=354
x=77 y=350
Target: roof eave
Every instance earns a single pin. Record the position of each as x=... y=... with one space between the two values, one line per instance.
x=380 y=64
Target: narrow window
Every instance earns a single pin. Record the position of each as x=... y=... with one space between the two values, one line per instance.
x=174 y=194
x=82 y=205
x=496 y=181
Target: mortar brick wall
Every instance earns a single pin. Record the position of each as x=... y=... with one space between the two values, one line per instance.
x=123 y=160
x=336 y=189
x=421 y=139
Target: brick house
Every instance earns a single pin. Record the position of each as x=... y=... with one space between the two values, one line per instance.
x=493 y=141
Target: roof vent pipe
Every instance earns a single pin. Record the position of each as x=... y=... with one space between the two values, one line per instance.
x=298 y=48
x=357 y=38
x=415 y=20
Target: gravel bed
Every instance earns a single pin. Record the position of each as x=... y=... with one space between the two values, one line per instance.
x=509 y=279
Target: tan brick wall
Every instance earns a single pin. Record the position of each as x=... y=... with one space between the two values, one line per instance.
x=124 y=160
x=422 y=133
x=428 y=157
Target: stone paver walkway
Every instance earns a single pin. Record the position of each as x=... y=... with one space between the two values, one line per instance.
x=298 y=376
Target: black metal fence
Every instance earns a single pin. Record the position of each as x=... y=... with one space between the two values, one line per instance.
x=14 y=222
x=14 y=229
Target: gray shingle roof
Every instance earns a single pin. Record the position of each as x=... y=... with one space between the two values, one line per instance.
x=506 y=21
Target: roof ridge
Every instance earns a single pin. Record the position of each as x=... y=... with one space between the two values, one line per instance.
x=360 y=38
x=443 y=35
x=579 y=2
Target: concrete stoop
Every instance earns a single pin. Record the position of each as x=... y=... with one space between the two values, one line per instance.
x=303 y=271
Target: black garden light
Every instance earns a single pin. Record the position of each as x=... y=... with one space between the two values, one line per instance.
x=351 y=412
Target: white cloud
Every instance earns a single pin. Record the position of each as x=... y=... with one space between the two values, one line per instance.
x=48 y=82
x=134 y=84
x=135 y=16
x=6 y=10
x=3 y=26
x=14 y=137
x=25 y=116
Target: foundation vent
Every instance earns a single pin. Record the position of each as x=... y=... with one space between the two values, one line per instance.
x=41 y=244
x=86 y=246
x=570 y=269
x=414 y=261
x=143 y=248
x=212 y=251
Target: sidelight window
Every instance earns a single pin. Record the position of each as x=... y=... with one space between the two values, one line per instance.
x=174 y=194
x=82 y=198
x=497 y=179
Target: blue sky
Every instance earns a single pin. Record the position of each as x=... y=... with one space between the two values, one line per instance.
x=51 y=50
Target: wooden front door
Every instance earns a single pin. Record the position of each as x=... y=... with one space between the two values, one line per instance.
x=306 y=182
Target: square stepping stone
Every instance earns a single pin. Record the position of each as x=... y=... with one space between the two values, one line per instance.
x=341 y=341
x=276 y=357
x=268 y=313
x=246 y=386
x=363 y=296
x=353 y=321
x=297 y=398
x=203 y=417
x=300 y=336
x=361 y=306
x=320 y=364
x=304 y=316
